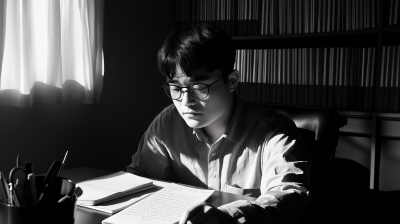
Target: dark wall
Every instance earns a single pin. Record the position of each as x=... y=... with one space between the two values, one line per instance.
x=106 y=135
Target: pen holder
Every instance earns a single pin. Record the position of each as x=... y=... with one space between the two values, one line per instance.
x=50 y=212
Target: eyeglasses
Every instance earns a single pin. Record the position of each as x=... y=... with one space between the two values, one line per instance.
x=198 y=90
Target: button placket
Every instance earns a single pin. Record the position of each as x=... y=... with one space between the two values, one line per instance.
x=212 y=169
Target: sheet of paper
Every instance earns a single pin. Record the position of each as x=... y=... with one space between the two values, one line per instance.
x=163 y=207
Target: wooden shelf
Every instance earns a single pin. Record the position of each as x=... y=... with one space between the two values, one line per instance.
x=369 y=115
x=394 y=29
x=354 y=134
x=354 y=38
x=308 y=35
x=355 y=114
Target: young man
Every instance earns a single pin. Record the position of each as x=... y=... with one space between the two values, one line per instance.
x=210 y=138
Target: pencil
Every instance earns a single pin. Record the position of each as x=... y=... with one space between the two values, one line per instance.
x=63 y=163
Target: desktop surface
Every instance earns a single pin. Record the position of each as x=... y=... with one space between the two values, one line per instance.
x=89 y=216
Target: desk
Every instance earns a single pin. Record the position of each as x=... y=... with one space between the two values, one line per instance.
x=89 y=216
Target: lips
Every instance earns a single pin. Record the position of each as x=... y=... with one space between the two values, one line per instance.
x=191 y=114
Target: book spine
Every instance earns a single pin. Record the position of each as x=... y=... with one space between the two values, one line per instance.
x=319 y=76
x=331 y=78
x=397 y=83
x=338 y=79
x=289 y=78
x=283 y=77
x=324 y=79
x=346 y=78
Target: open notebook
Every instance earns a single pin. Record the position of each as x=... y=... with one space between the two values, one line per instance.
x=116 y=185
x=162 y=207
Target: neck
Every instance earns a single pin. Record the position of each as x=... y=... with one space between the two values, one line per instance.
x=216 y=129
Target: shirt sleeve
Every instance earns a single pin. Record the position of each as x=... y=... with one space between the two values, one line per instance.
x=152 y=159
x=285 y=186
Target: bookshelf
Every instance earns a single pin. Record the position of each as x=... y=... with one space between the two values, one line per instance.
x=279 y=40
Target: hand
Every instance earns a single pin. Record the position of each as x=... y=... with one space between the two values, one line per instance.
x=205 y=213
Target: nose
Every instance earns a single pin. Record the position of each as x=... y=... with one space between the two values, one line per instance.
x=187 y=99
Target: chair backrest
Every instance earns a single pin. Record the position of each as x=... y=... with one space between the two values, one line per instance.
x=320 y=130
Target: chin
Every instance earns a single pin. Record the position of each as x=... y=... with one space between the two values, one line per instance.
x=194 y=123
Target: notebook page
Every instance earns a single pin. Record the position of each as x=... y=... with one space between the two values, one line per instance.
x=163 y=207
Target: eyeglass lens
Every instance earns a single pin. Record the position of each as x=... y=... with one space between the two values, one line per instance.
x=198 y=91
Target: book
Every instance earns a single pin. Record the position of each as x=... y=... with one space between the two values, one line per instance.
x=324 y=77
x=346 y=78
x=352 y=100
x=360 y=78
x=331 y=77
x=392 y=80
x=367 y=80
x=319 y=77
x=294 y=79
x=312 y=83
x=162 y=207
x=339 y=79
x=112 y=186
x=396 y=84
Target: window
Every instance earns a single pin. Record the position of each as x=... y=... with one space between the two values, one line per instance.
x=50 y=51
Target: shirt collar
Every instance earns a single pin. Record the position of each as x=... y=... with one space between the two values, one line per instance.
x=235 y=127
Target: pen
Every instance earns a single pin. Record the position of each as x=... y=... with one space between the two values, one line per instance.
x=48 y=181
x=64 y=199
x=18 y=161
x=52 y=173
x=63 y=163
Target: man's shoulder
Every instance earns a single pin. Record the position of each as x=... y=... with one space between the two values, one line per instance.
x=167 y=117
x=168 y=110
x=264 y=112
x=264 y=118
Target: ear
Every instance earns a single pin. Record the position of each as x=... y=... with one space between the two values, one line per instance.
x=233 y=79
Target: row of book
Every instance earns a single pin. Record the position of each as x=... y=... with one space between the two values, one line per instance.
x=393 y=18
x=387 y=96
x=341 y=78
x=274 y=17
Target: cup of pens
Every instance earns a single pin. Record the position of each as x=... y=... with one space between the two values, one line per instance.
x=26 y=198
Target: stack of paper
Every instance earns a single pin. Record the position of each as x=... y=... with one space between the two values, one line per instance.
x=162 y=207
x=113 y=186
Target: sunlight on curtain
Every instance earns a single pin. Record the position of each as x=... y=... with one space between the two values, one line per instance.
x=51 y=51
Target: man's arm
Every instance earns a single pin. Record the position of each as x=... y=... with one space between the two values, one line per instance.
x=152 y=158
x=285 y=186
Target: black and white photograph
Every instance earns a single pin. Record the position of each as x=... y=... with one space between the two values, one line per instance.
x=199 y=111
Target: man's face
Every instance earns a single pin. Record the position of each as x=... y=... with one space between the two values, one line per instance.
x=201 y=113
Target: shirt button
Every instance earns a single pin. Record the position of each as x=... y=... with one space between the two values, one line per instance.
x=214 y=176
x=213 y=154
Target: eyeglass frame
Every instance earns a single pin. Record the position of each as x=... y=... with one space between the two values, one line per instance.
x=188 y=87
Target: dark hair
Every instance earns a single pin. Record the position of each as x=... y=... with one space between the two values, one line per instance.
x=196 y=46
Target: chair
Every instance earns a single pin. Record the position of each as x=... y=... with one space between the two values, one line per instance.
x=319 y=128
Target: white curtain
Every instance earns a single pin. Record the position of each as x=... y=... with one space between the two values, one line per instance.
x=51 y=51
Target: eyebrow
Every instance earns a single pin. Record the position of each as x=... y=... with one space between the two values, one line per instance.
x=192 y=79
